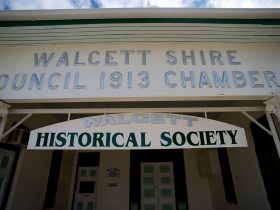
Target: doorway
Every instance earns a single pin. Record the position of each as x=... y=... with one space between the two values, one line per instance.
x=85 y=195
x=157 y=186
x=157 y=180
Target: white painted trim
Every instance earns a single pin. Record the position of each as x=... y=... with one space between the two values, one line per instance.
x=105 y=13
x=125 y=110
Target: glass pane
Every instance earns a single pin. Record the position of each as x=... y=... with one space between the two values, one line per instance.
x=182 y=206
x=134 y=206
x=5 y=162
x=148 y=169
x=83 y=172
x=149 y=207
x=167 y=207
x=86 y=187
x=166 y=192
x=149 y=180
x=165 y=169
x=90 y=206
x=149 y=193
x=80 y=206
x=92 y=173
x=165 y=180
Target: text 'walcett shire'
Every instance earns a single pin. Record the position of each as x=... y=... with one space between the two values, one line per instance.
x=137 y=73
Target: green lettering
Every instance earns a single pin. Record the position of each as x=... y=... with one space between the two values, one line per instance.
x=209 y=136
x=232 y=136
x=182 y=137
x=87 y=138
x=143 y=140
x=165 y=136
x=97 y=137
x=132 y=139
x=60 y=138
x=114 y=139
x=201 y=135
x=72 y=137
x=221 y=134
x=40 y=136
x=189 y=139
x=108 y=139
x=52 y=140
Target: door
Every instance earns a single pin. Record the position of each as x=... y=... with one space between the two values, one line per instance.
x=157 y=186
x=6 y=162
x=86 y=188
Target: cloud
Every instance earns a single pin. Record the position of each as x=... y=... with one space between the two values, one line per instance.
x=76 y=4
x=45 y=4
x=244 y=3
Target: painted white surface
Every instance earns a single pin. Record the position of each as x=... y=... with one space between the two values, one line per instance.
x=252 y=57
x=113 y=197
x=31 y=182
x=137 y=131
x=198 y=191
x=65 y=186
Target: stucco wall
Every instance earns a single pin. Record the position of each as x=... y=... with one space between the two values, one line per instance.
x=66 y=181
x=246 y=174
x=113 y=197
x=197 y=186
x=30 y=181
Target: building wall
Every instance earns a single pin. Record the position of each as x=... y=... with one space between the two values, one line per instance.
x=204 y=192
x=113 y=197
x=199 y=196
x=64 y=193
x=246 y=174
x=29 y=185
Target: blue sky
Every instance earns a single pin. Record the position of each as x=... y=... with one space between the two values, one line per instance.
x=78 y=4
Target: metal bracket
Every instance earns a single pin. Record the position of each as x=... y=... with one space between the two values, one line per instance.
x=15 y=126
x=4 y=108
x=257 y=123
x=273 y=105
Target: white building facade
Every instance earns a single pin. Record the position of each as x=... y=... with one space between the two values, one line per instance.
x=151 y=109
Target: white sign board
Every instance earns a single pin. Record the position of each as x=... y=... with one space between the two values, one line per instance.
x=137 y=131
x=118 y=72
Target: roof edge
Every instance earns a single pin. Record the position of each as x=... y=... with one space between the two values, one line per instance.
x=132 y=13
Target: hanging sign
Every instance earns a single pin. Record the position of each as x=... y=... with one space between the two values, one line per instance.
x=118 y=72
x=137 y=131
